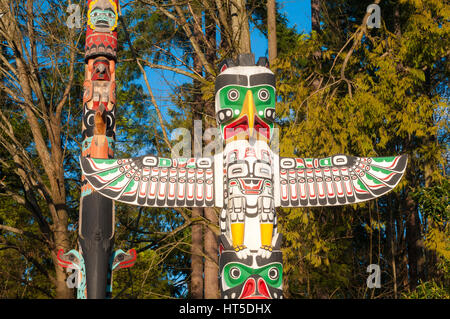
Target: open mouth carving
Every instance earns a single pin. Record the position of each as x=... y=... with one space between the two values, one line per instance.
x=241 y=126
x=102 y=24
x=251 y=185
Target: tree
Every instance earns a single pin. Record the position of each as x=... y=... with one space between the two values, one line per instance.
x=38 y=62
x=272 y=30
x=366 y=103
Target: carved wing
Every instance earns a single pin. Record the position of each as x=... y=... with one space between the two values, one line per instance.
x=337 y=180
x=155 y=181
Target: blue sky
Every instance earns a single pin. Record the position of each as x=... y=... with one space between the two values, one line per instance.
x=298 y=14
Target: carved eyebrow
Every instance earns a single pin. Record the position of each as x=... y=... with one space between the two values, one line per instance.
x=223 y=80
x=105 y=10
x=262 y=78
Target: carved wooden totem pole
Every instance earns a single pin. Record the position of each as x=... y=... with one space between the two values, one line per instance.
x=95 y=259
x=247 y=181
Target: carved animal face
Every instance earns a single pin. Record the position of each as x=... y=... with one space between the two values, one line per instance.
x=252 y=278
x=245 y=99
x=249 y=178
x=101 y=70
x=89 y=121
x=102 y=15
x=249 y=171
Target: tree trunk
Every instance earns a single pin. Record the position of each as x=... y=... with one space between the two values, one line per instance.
x=272 y=30
x=315 y=15
x=48 y=148
x=390 y=241
x=210 y=241
x=61 y=242
x=415 y=258
x=212 y=257
x=196 y=257
x=62 y=290
x=197 y=212
x=240 y=27
x=197 y=228
x=315 y=24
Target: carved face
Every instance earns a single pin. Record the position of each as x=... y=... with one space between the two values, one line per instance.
x=102 y=15
x=249 y=173
x=245 y=102
x=101 y=70
x=253 y=278
x=89 y=121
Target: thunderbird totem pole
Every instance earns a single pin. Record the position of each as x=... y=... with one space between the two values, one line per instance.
x=95 y=260
x=247 y=181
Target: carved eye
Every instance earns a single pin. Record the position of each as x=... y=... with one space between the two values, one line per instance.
x=262 y=170
x=273 y=273
x=263 y=95
x=233 y=95
x=90 y=119
x=236 y=170
x=235 y=273
x=270 y=114
x=109 y=121
x=225 y=115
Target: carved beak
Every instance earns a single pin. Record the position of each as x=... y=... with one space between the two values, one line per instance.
x=100 y=121
x=249 y=110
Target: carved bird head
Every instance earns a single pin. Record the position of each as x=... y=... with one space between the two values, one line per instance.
x=245 y=99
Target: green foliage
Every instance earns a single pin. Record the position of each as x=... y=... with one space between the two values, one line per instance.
x=428 y=290
x=366 y=92
x=433 y=289
x=286 y=35
x=434 y=201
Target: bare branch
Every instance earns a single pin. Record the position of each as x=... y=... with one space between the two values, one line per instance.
x=149 y=89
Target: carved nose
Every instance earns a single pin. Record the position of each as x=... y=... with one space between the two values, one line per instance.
x=255 y=288
x=101 y=68
x=249 y=181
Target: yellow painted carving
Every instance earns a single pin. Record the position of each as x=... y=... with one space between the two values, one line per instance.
x=266 y=234
x=237 y=233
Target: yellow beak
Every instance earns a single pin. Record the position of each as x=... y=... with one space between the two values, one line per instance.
x=249 y=109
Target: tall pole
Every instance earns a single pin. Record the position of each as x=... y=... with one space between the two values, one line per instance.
x=95 y=260
x=96 y=232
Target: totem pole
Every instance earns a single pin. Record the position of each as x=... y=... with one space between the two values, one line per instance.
x=247 y=181
x=95 y=259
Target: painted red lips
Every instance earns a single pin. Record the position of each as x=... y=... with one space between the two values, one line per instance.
x=253 y=291
x=241 y=125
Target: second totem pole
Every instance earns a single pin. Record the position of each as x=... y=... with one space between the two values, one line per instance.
x=95 y=259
